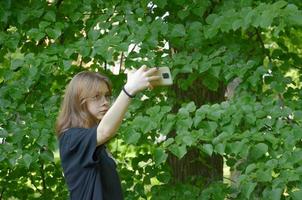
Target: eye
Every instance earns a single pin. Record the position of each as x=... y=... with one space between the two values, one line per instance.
x=96 y=96
x=108 y=97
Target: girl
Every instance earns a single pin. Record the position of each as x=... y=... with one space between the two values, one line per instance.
x=84 y=125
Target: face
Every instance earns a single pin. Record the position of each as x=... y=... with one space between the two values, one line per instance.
x=99 y=104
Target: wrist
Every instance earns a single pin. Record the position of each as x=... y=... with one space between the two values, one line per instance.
x=129 y=91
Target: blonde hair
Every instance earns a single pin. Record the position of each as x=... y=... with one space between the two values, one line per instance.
x=73 y=112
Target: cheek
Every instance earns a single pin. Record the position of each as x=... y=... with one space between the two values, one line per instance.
x=91 y=108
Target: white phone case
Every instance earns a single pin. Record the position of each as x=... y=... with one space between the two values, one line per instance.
x=166 y=78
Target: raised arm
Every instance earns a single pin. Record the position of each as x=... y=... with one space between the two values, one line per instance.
x=136 y=82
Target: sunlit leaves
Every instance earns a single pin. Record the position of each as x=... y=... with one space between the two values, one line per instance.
x=262 y=16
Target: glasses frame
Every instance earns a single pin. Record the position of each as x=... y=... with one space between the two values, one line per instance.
x=99 y=98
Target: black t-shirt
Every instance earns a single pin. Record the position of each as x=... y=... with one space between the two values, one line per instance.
x=89 y=172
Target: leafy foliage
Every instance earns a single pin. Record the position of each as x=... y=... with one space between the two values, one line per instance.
x=258 y=131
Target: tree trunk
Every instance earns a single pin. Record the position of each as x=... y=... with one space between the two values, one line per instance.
x=207 y=169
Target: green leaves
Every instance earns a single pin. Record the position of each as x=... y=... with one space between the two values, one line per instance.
x=236 y=147
x=27 y=159
x=53 y=33
x=35 y=34
x=144 y=124
x=298 y=115
x=94 y=34
x=184 y=121
x=178 y=151
x=206 y=44
x=47 y=156
x=296 y=194
x=208 y=149
x=132 y=137
x=210 y=82
x=178 y=30
x=248 y=188
x=159 y=156
x=265 y=19
x=274 y=194
x=258 y=151
x=264 y=176
x=50 y=16
x=161 y=3
x=296 y=19
x=261 y=16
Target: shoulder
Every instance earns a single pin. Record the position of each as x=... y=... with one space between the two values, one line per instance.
x=77 y=131
x=68 y=134
x=77 y=136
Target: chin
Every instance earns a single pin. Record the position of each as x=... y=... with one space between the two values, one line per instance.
x=100 y=117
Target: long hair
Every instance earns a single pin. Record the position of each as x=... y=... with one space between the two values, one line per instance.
x=73 y=112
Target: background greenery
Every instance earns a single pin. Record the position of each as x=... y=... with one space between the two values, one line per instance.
x=206 y=44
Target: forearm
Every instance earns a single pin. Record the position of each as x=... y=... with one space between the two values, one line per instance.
x=136 y=81
x=112 y=120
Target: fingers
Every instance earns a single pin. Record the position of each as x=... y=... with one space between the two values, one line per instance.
x=150 y=86
x=151 y=71
x=142 y=68
x=145 y=75
x=153 y=78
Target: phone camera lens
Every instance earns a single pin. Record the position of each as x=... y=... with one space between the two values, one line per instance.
x=165 y=75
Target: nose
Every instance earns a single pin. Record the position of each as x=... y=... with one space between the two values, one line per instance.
x=106 y=102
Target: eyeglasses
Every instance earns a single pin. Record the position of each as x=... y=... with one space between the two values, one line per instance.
x=99 y=98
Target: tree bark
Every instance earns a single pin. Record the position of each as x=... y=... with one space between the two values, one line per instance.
x=194 y=164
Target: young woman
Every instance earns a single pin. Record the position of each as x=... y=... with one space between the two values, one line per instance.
x=84 y=125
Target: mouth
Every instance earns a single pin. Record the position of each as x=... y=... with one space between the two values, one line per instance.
x=103 y=111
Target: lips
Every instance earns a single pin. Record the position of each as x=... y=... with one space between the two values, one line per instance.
x=103 y=111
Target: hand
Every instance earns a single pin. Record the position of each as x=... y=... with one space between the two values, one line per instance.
x=138 y=80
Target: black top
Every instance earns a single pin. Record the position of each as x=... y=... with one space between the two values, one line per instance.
x=89 y=171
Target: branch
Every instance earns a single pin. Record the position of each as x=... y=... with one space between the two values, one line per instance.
x=132 y=48
x=105 y=65
x=121 y=62
x=280 y=96
x=171 y=52
x=31 y=90
x=229 y=179
x=81 y=62
x=54 y=164
x=3 y=189
x=59 y=3
x=262 y=45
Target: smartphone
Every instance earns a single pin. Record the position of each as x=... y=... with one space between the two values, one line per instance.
x=166 y=78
